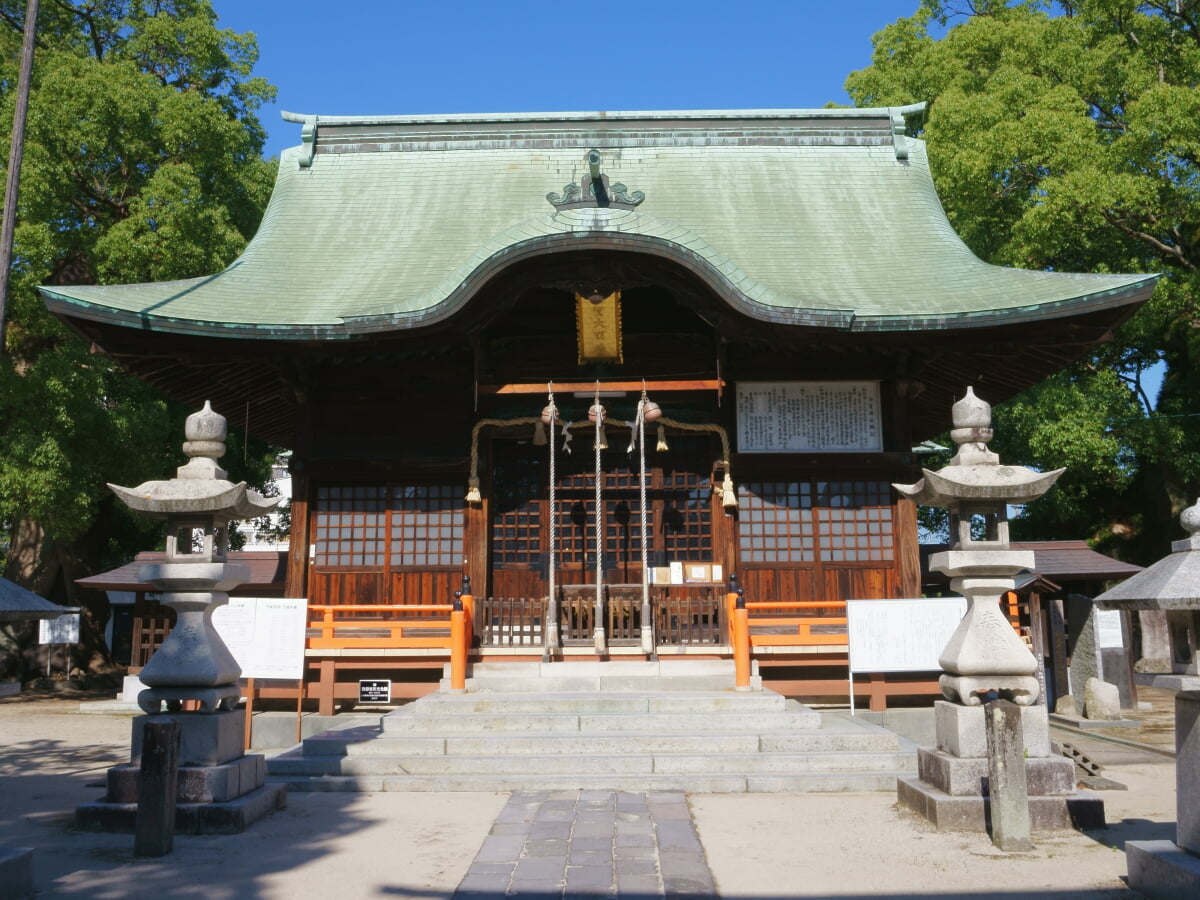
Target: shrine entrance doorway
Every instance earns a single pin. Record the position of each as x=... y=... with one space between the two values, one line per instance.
x=683 y=526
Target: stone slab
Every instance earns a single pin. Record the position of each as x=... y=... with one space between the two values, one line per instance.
x=1162 y=871
x=1044 y=776
x=232 y=817
x=1187 y=772
x=197 y=784
x=1092 y=724
x=1170 y=682
x=205 y=739
x=960 y=730
x=16 y=872
x=1081 y=810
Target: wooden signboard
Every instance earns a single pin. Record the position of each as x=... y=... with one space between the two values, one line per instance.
x=900 y=635
x=264 y=634
x=63 y=630
x=808 y=417
x=374 y=690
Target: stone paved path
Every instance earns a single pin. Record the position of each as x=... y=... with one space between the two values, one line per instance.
x=588 y=844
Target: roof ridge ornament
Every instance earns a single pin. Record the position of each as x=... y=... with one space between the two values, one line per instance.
x=900 y=129
x=594 y=190
x=308 y=135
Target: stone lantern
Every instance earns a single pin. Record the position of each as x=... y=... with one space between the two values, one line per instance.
x=984 y=654
x=198 y=503
x=1163 y=868
x=985 y=657
x=221 y=788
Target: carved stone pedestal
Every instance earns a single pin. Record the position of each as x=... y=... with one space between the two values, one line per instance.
x=951 y=787
x=221 y=791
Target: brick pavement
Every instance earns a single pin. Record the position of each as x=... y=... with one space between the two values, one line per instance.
x=588 y=844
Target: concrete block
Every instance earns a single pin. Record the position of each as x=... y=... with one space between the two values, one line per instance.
x=205 y=739
x=1081 y=810
x=231 y=817
x=960 y=730
x=197 y=784
x=1187 y=772
x=1007 y=788
x=1101 y=700
x=1045 y=776
x=16 y=872
x=1160 y=870
x=1066 y=705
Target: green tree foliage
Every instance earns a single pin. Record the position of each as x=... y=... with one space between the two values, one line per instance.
x=1066 y=135
x=143 y=162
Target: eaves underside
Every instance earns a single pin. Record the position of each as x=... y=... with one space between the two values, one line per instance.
x=842 y=321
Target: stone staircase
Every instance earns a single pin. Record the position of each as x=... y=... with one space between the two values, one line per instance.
x=616 y=725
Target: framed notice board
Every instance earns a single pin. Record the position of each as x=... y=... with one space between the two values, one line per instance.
x=900 y=635
x=808 y=417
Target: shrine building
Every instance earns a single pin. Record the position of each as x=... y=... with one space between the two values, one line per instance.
x=784 y=286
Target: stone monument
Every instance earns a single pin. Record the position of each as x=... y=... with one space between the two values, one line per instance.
x=221 y=788
x=1172 y=585
x=985 y=657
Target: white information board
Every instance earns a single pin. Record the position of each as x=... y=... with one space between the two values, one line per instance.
x=264 y=634
x=901 y=635
x=808 y=416
x=63 y=630
x=1109 y=633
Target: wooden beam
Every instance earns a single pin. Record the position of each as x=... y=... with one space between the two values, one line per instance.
x=712 y=384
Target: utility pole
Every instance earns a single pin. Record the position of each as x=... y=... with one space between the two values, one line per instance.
x=15 y=153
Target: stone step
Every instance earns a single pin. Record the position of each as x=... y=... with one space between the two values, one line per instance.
x=625 y=764
x=538 y=703
x=567 y=723
x=675 y=668
x=704 y=741
x=617 y=676
x=513 y=684
x=340 y=744
x=704 y=784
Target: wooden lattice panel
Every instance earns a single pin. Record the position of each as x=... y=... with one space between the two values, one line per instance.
x=799 y=522
x=350 y=526
x=426 y=525
x=854 y=521
x=776 y=521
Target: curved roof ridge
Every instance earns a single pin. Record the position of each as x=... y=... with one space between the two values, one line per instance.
x=833 y=112
x=805 y=224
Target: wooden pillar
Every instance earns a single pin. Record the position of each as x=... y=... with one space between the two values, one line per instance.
x=296 y=577
x=908 y=553
x=1058 y=647
x=325 y=689
x=475 y=534
x=1037 y=637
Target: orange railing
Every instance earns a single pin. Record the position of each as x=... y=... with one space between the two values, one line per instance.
x=748 y=632
x=357 y=626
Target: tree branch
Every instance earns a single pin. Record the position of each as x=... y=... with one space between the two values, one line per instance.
x=1161 y=246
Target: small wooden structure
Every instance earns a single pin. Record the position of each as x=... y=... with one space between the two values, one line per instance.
x=784 y=284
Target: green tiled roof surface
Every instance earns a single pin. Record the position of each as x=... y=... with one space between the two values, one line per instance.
x=803 y=216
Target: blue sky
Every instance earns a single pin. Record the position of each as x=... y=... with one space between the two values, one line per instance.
x=387 y=57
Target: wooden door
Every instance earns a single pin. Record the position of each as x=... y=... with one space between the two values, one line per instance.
x=679 y=510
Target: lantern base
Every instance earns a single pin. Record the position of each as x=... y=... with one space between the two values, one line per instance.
x=211 y=699
x=967 y=689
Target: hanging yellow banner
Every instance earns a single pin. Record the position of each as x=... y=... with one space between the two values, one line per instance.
x=598 y=328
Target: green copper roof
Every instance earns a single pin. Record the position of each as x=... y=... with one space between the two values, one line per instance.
x=824 y=217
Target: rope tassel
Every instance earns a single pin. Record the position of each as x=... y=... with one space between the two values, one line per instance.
x=661 y=446
x=473 y=494
x=728 y=494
